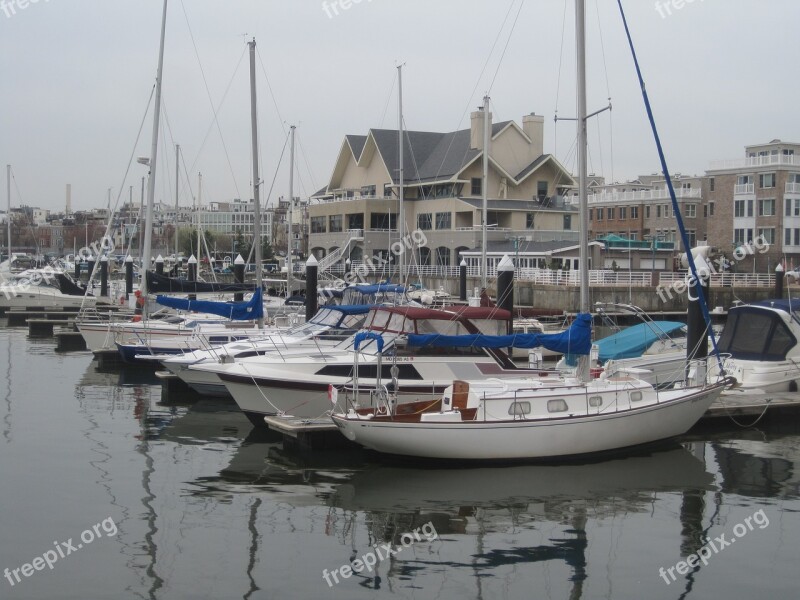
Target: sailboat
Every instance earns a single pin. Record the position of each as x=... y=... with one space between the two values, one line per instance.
x=535 y=417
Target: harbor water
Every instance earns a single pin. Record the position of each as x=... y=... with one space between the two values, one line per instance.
x=112 y=490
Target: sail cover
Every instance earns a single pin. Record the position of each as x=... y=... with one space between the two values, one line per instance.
x=161 y=284
x=575 y=340
x=236 y=311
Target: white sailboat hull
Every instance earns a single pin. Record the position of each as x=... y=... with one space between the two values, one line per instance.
x=532 y=439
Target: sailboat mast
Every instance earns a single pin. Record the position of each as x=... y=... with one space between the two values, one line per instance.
x=401 y=216
x=199 y=205
x=8 y=212
x=177 y=184
x=256 y=180
x=580 y=35
x=151 y=184
x=290 y=236
x=485 y=190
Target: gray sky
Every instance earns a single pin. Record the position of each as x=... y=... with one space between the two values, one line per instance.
x=77 y=75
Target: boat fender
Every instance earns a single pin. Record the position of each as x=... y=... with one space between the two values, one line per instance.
x=136 y=318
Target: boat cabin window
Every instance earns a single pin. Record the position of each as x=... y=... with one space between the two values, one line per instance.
x=352 y=321
x=595 y=401
x=756 y=334
x=399 y=324
x=635 y=396
x=379 y=319
x=519 y=408
x=491 y=326
x=326 y=317
x=557 y=405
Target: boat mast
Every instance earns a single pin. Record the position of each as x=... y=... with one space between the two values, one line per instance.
x=8 y=212
x=580 y=29
x=199 y=205
x=256 y=181
x=401 y=216
x=484 y=234
x=177 y=184
x=151 y=184
x=290 y=236
x=580 y=37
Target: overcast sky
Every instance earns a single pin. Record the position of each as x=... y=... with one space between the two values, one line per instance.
x=77 y=75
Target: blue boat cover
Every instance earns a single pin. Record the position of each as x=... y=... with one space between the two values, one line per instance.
x=575 y=340
x=378 y=288
x=349 y=309
x=633 y=341
x=362 y=336
x=788 y=306
x=236 y=311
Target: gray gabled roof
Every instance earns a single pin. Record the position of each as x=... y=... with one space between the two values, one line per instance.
x=356 y=144
x=428 y=156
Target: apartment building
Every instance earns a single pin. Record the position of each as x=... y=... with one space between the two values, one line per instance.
x=356 y=214
x=756 y=196
x=641 y=210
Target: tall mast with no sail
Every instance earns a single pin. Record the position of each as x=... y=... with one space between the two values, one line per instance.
x=256 y=180
x=151 y=184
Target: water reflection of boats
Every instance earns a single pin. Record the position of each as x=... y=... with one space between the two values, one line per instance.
x=622 y=483
x=758 y=464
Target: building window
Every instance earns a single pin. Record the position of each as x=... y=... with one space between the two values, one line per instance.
x=766 y=180
x=529 y=219
x=749 y=208
x=766 y=208
x=658 y=211
x=767 y=234
x=355 y=221
x=623 y=212
x=591 y=214
x=647 y=212
x=317 y=224
x=738 y=208
x=382 y=221
x=634 y=212
x=424 y=256
x=368 y=190
x=610 y=213
x=691 y=211
x=541 y=189
x=667 y=209
x=444 y=220
x=711 y=184
x=477 y=187
x=599 y=214
x=633 y=235
x=567 y=222
x=787 y=207
x=710 y=209
x=425 y=221
x=692 y=235
x=443 y=256
x=334 y=224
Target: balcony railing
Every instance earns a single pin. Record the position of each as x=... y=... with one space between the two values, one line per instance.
x=764 y=280
x=755 y=161
x=793 y=188
x=744 y=188
x=644 y=195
